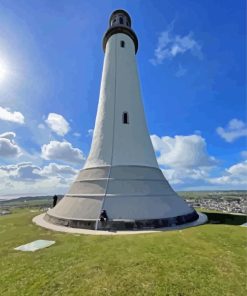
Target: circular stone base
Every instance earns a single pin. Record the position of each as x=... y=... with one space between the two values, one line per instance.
x=40 y=221
x=123 y=224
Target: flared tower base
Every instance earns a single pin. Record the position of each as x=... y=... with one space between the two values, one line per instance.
x=134 y=198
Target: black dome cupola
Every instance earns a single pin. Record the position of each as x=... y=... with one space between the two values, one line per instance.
x=120 y=22
x=120 y=18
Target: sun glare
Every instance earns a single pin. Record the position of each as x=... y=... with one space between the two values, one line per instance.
x=3 y=70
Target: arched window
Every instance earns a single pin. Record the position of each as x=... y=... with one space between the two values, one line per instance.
x=113 y=21
x=121 y=20
x=125 y=118
x=122 y=43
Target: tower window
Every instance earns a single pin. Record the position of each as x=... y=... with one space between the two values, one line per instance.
x=113 y=21
x=122 y=43
x=125 y=118
x=121 y=20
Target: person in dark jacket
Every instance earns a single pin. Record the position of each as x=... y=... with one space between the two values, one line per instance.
x=54 y=200
x=103 y=216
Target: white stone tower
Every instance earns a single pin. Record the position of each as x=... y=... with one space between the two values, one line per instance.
x=121 y=174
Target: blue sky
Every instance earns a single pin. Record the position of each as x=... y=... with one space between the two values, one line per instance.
x=191 y=61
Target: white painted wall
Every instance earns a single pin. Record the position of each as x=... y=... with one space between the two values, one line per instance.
x=115 y=143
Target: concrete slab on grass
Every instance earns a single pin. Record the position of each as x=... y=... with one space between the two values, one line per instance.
x=35 y=245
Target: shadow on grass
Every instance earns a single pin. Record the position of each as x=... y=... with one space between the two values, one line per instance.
x=225 y=218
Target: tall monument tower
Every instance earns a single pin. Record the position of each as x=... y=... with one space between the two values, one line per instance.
x=121 y=174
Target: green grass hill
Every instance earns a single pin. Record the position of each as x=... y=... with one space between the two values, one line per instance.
x=205 y=260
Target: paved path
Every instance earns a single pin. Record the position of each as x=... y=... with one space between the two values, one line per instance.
x=39 y=220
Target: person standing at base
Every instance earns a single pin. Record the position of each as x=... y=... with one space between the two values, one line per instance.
x=103 y=216
x=54 y=200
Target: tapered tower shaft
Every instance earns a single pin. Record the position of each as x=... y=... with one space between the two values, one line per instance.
x=120 y=135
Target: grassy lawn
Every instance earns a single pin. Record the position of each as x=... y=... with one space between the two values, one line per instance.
x=205 y=260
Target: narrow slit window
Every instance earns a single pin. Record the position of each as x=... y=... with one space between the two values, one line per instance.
x=121 y=20
x=122 y=43
x=125 y=118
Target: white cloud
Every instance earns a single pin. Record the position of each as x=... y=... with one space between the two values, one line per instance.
x=77 y=134
x=183 y=159
x=173 y=177
x=26 y=172
x=58 y=124
x=8 y=147
x=7 y=115
x=185 y=175
x=235 y=129
x=182 y=151
x=12 y=167
x=181 y=71
x=8 y=135
x=170 y=45
x=239 y=169
x=57 y=169
x=27 y=179
x=90 y=132
x=234 y=175
x=62 y=151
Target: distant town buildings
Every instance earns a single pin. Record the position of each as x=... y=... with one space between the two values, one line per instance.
x=222 y=205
